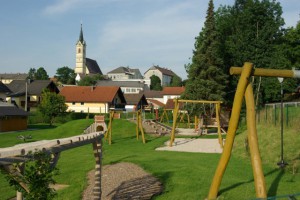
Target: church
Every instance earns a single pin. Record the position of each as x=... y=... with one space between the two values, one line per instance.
x=84 y=66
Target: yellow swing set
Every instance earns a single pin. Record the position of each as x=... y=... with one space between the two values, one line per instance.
x=244 y=88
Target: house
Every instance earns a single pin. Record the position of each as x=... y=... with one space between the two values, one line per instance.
x=172 y=93
x=154 y=95
x=124 y=73
x=135 y=102
x=12 y=118
x=93 y=99
x=4 y=91
x=32 y=89
x=84 y=66
x=8 y=78
x=127 y=87
x=155 y=99
x=164 y=74
x=155 y=104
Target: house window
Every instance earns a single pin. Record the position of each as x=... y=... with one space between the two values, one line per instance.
x=127 y=89
x=73 y=103
x=133 y=90
x=82 y=103
x=79 y=50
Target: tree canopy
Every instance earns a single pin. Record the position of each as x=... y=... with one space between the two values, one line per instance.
x=65 y=75
x=39 y=74
x=90 y=80
x=252 y=31
x=52 y=105
x=155 y=83
x=176 y=81
x=206 y=77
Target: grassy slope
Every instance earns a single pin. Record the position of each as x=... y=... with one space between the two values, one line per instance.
x=184 y=175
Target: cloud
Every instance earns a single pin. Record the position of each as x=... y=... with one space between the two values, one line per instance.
x=164 y=37
x=63 y=6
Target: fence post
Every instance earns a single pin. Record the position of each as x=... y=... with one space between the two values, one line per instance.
x=287 y=115
x=275 y=114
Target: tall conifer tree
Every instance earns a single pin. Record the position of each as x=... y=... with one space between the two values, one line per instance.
x=206 y=77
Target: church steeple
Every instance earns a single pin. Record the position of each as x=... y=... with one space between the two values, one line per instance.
x=80 y=67
x=81 y=36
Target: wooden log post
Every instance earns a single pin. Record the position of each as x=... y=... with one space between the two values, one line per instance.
x=21 y=169
x=97 y=149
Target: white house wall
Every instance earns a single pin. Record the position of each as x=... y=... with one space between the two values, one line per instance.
x=166 y=97
x=77 y=107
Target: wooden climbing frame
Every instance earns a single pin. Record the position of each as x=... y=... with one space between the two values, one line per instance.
x=244 y=88
x=108 y=133
x=17 y=154
x=176 y=114
x=139 y=126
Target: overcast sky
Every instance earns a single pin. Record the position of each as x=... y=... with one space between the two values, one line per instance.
x=134 y=33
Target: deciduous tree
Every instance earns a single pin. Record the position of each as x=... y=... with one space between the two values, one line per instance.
x=90 y=80
x=52 y=105
x=65 y=75
x=155 y=83
x=41 y=74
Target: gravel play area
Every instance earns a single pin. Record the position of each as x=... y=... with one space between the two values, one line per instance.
x=193 y=145
x=124 y=181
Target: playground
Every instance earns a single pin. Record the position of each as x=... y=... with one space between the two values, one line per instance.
x=183 y=174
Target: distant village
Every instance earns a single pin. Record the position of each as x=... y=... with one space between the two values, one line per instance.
x=123 y=89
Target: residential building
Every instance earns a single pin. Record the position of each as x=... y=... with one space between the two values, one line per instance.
x=8 y=78
x=84 y=66
x=154 y=95
x=134 y=102
x=124 y=73
x=4 y=91
x=172 y=93
x=31 y=89
x=127 y=87
x=93 y=99
x=12 y=118
x=164 y=74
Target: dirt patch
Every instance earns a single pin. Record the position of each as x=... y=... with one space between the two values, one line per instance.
x=124 y=181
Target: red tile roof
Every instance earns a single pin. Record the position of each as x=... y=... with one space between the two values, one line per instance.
x=89 y=93
x=173 y=90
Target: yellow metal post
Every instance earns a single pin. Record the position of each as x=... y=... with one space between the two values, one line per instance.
x=233 y=124
x=259 y=179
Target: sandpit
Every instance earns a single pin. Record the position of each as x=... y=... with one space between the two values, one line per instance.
x=193 y=145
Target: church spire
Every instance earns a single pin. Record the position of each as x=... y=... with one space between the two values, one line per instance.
x=81 y=35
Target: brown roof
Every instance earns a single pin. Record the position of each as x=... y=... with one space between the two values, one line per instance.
x=156 y=102
x=173 y=90
x=153 y=94
x=170 y=104
x=12 y=111
x=90 y=93
x=164 y=71
x=135 y=99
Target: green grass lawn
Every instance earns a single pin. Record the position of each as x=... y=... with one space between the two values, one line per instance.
x=184 y=175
